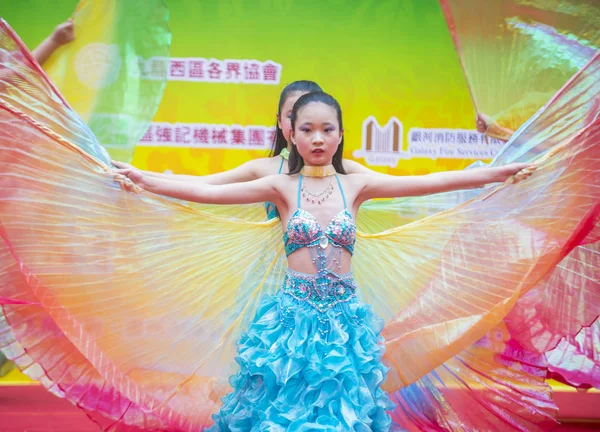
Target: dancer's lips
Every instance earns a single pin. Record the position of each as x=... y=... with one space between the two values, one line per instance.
x=318 y=151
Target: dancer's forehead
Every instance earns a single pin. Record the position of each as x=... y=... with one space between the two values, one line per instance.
x=317 y=113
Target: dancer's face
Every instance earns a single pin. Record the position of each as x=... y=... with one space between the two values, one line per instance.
x=283 y=118
x=317 y=134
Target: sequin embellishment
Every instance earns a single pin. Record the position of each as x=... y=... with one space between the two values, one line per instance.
x=321 y=291
x=303 y=230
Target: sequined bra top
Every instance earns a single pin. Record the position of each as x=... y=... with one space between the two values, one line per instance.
x=303 y=230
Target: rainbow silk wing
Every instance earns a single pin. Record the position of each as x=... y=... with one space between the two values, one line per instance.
x=514 y=58
x=516 y=54
x=115 y=71
x=560 y=40
x=130 y=304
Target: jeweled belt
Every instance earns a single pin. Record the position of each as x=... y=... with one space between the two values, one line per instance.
x=322 y=290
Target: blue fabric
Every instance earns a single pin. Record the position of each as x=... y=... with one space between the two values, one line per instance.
x=295 y=377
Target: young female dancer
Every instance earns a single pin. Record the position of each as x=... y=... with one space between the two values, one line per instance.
x=311 y=358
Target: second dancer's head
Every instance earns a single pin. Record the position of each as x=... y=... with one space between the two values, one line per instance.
x=287 y=99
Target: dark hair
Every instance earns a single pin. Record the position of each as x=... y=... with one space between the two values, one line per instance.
x=279 y=142
x=296 y=162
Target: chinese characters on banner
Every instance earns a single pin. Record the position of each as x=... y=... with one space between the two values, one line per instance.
x=452 y=144
x=382 y=146
x=250 y=137
x=223 y=71
x=209 y=136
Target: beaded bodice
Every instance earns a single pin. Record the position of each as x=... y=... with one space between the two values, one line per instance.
x=327 y=288
x=303 y=230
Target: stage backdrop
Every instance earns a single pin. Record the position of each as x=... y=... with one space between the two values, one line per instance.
x=390 y=63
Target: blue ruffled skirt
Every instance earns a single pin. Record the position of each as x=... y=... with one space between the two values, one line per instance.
x=305 y=369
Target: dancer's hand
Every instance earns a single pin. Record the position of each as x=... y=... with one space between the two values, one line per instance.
x=515 y=172
x=122 y=165
x=482 y=121
x=64 y=33
x=130 y=179
x=133 y=174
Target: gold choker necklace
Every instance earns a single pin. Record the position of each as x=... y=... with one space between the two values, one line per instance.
x=317 y=171
x=285 y=153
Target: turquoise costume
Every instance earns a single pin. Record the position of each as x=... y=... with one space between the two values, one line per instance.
x=311 y=358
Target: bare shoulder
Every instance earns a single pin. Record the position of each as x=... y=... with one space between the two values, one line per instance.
x=280 y=182
x=286 y=181
x=354 y=183
x=266 y=166
x=261 y=167
x=353 y=167
x=286 y=186
x=355 y=179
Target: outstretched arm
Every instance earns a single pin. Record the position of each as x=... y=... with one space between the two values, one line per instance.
x=392 y=187
x=62 y=34
x=260 y=190
x=248 y=171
